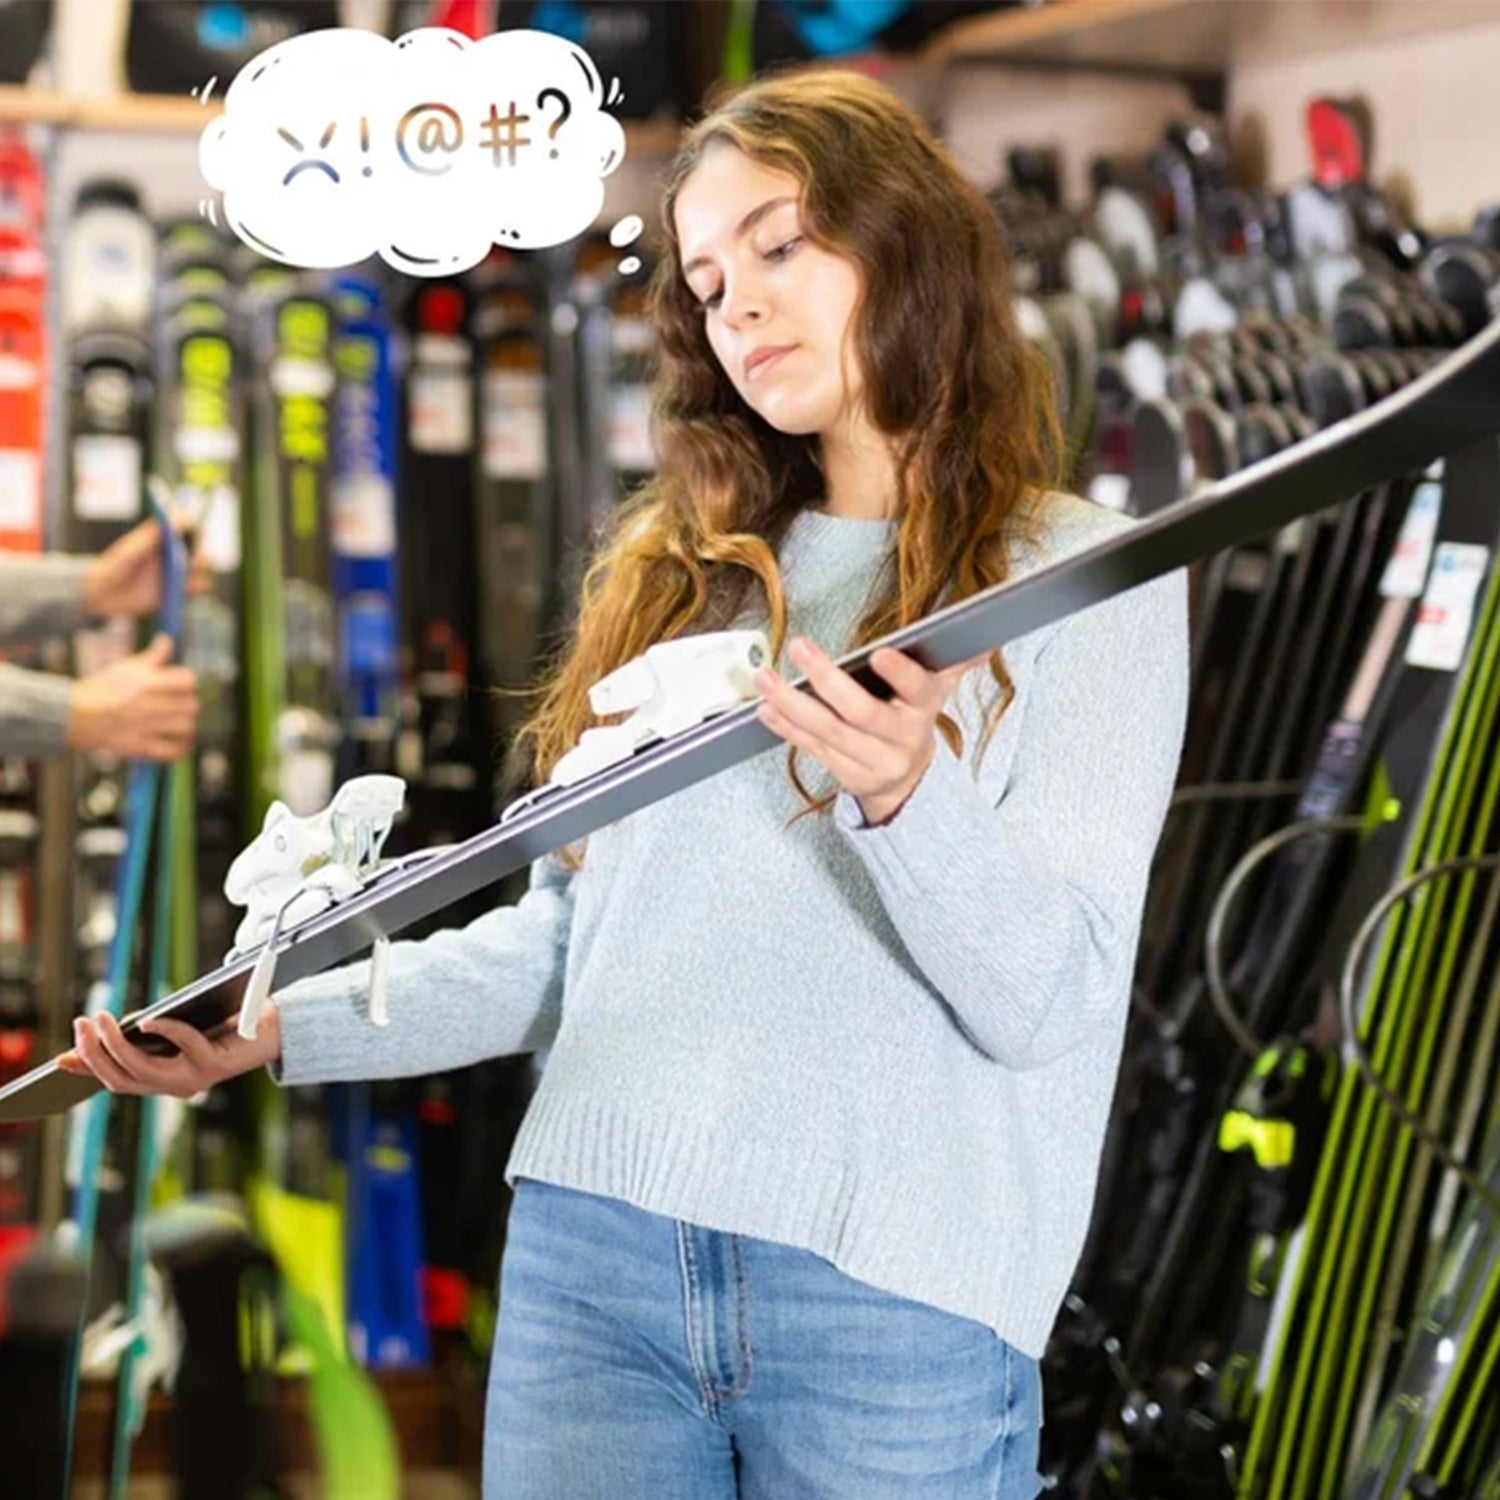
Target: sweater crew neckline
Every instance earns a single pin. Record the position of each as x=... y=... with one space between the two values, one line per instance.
x=821 y=521
x=821 y=550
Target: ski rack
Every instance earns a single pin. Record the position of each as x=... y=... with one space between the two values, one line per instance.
x=1449 y=408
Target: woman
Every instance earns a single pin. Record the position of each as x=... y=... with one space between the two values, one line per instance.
x=831 y=1042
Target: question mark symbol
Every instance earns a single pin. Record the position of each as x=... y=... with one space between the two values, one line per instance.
x=561 y=120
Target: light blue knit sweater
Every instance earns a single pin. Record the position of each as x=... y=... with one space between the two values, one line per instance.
x=896 y=1046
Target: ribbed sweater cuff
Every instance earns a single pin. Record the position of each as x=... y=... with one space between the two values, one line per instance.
x=316 y=1016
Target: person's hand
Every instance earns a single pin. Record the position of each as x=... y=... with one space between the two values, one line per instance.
x=125 y=579
x=202 y=1059
x=877 y=751
x=142 y=707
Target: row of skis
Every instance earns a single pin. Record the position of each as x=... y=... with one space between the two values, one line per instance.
x=1291 y=1286
x=350 y=457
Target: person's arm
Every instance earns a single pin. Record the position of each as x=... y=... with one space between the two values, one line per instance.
x=41 y=596
x=1024 y=914
x=53 y=593
x=141 y=707
x=491 y=989
x=34 y=711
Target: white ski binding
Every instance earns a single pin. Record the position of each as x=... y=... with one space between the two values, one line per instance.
x=672 y=687
x=299 y=867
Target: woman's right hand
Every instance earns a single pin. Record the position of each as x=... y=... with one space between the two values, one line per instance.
x=202 y=1058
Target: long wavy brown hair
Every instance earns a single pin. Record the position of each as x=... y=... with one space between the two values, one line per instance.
x=948 y=378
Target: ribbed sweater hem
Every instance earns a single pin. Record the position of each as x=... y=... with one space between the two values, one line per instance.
x=719 y=1180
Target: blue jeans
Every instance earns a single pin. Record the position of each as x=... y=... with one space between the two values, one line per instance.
x=640 y=1358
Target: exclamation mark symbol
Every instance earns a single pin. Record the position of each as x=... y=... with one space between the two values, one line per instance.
x=364 y=142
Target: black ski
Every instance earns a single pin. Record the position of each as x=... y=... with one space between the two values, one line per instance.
x=1450 y=408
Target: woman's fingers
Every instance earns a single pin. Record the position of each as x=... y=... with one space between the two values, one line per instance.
x=198 y=1049
x=914 y=684
x=850 y=772
x=842 y=693
x=151 y=1073
x=125 y=1068
x=100 y=1063
x=812 y=718
x=155 y=1075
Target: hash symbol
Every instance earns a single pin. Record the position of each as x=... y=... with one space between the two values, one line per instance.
x=492 y=127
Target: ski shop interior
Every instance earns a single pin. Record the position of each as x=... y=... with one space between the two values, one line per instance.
x=1256 y=245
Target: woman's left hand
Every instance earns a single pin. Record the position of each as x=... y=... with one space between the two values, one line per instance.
x=878 y=751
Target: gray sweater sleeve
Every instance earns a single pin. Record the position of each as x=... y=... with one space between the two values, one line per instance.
x=40 y=596
x=34 y=710
x=491 y=989
x=1018 y=910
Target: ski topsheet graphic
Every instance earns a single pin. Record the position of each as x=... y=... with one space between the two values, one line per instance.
x=1448 y=409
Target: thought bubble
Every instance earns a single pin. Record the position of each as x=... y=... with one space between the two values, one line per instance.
x=337 y=144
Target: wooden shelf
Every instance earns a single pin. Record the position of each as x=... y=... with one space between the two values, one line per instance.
x=159 y=113
x=652 y=137
x=1194 y=36
x=165 y=114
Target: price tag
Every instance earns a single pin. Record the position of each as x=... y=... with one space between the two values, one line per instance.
x=219 y=529
x=1441 y=633
x=515 y=425
x=106 y=477
x=441 y=411
x=630 y=446
x=364 y=516
x=1406 y=573
x=20 y=490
